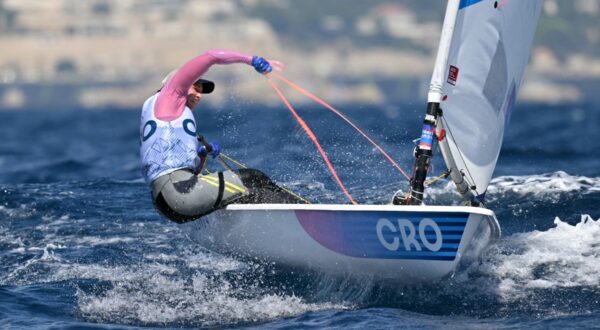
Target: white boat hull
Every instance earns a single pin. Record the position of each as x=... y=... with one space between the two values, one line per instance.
x=409 y=244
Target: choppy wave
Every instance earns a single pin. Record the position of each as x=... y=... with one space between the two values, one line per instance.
x=566 y=256
x=545 y=184
x=153 y=298
x=141 y=274
x=548 y=186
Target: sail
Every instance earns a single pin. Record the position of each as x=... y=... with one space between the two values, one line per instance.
x=488 y=54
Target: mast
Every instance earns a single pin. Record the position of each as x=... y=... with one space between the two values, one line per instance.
x=424 y=152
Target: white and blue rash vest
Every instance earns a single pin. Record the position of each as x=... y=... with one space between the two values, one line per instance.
x=167 y=146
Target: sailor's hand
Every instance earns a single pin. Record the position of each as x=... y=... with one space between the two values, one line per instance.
x=213 y=149
x=216 y=149
x=261 y=65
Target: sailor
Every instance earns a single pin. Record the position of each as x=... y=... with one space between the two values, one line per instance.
x=173 y=155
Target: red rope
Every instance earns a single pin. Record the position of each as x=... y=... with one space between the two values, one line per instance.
x=313 y=138
x=323 y=103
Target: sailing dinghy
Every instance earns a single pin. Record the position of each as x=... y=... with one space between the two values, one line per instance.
x=483 y=52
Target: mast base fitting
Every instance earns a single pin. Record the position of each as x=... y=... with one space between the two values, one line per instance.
x=401 y=199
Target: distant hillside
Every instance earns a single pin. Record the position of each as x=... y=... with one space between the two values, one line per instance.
x=565 y=26
x=100 y=53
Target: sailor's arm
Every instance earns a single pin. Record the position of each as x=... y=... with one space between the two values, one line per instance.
x=171 y=100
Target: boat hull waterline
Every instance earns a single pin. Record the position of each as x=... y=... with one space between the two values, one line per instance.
x=410 y=244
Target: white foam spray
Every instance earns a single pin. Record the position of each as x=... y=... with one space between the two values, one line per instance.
x=171 y=281
x=566 y=256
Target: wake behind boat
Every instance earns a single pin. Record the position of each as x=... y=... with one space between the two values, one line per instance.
x=482 y=55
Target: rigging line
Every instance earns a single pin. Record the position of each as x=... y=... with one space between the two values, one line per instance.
x=437 y=178
x=313 y=138
x=323 y=103
x=461 y=156
x=224 y=163
x=239 y=164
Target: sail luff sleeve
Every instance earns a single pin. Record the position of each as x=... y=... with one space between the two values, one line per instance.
x=441 y=60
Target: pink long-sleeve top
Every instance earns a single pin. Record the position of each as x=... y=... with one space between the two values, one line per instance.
x=171 y=100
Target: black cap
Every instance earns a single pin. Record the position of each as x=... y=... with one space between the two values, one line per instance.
x=207 y=85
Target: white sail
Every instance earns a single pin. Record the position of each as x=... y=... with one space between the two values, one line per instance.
x=489 y=51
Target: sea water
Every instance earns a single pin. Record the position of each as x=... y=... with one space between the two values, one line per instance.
x=82 y=247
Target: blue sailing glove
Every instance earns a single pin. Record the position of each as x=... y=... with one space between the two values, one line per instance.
x=261 y=65
x=215 y=150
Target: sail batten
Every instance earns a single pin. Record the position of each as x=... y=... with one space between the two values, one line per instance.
x=487 y=58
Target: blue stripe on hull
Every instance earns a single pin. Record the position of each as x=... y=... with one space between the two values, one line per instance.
x=387 y=235
x=467 y=3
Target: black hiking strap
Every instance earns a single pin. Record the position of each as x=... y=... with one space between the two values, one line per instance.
x=221 y=189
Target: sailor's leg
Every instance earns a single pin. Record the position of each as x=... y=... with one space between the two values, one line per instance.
x=183 y=196
x=263 y=190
